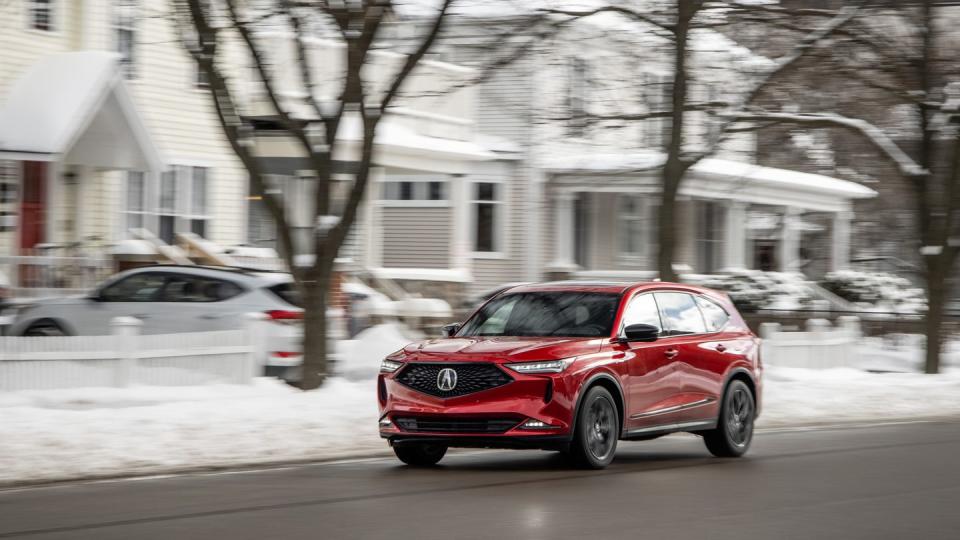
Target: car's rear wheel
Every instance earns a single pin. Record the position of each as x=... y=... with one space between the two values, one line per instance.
x=420 y=455
x=734 y=431
x=44 y=328
x=597 y=430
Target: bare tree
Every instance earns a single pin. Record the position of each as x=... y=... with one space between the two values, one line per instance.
x=317 y=121
x=677 y=21
x=901 y=53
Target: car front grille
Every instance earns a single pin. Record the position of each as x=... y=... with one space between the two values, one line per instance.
x=438 y=424
x=470 y=378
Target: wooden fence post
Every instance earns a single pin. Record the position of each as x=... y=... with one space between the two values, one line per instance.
x=126 y=334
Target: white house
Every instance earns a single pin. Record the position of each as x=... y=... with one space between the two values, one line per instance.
x=569 y=197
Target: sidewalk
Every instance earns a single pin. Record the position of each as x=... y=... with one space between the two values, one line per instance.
x=106 y=432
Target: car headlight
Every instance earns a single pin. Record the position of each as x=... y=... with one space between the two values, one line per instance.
x=389 y=366
x=547 y=366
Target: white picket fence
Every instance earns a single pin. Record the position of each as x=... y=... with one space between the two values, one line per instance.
x=127 y=358
x=821 y=346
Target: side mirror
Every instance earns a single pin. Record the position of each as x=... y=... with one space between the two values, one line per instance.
x=641 y=332
x=451 y=330
x=95 y=296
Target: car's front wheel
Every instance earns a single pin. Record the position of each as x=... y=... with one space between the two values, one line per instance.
x=734 y=430
x=597 y=430
x=44 y=328
x=420 y=455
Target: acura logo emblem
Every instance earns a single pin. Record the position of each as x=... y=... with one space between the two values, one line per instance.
x=447 y=379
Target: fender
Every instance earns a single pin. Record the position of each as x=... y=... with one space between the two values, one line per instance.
x=586 y=384
x=756 y=385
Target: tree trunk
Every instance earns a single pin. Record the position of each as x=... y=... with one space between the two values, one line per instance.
x=936 y=305
x=315 y=361
x=667 y=225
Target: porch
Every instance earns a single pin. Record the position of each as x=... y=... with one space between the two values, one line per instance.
x=730 y=216
x=67 y=124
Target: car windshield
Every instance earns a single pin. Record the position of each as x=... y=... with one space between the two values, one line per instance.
x=541 y=314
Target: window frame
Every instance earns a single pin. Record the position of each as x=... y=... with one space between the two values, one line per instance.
x=181 y=207
x=647 y=221
x=121 y=21
x=51 y=7
x=420 y=192
x=668 y=332
x=499 y=212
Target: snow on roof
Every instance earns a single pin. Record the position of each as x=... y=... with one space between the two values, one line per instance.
x=59 y=96
x=609 y=163
x=784 y=177
x=392 y=134
x=46 y=106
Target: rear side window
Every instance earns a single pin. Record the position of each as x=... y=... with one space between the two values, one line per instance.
x=185 y=288
x=287 y=292
x=713 y=314
x=680 y=314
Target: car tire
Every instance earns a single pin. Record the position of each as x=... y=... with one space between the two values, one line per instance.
x=734 y=431
x=596 y=431
x=420 y=455
x=44 y=328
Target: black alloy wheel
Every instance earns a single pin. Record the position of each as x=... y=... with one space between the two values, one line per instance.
x=597 y=430
x=734 y=431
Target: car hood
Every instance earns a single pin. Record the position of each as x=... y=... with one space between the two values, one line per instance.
x=500 y=349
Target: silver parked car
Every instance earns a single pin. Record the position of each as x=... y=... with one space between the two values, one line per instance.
x=173 y=299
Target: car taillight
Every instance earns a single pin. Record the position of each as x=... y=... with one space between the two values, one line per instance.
x=285 y=316
x=285 y=354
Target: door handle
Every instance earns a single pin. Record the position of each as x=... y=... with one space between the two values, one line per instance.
x=671 y=353
x=721 y=347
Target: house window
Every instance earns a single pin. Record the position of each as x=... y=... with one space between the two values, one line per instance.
x=633 y=226
x=414 y=190
x=9 y=178
x=658 y=98
x=181 y=203
x=124 y=28
x=136 y=208
x=709 y=240
x=487 y=202
x=41 y=15
x=202 y=79
x=576 y=99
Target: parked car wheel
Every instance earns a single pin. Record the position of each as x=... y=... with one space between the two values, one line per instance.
x=420 y=455
x=734 y=431
x=44 y=328
x=597 y=430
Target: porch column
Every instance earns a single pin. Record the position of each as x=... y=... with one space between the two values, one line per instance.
x=840 y=245
x=564 y=234
x=789 y=241
x=372 y=246
x=735 y=235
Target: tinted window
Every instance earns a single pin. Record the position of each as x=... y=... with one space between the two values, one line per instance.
x=562 y=314
x=136 y=288
x=642 y=310
x=183 y=288
x=287 y=292
x=715 y=316
x=680 y=314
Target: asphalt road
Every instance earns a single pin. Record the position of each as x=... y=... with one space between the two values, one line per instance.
x=889 y=481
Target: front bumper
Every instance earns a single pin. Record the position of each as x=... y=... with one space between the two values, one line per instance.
x=546 y=398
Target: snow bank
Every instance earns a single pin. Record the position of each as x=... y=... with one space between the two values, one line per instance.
x=359 y=359
x=96 y=432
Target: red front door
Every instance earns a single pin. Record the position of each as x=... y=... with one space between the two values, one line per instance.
x=33 y=204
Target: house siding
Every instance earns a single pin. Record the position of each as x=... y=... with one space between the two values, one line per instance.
x=416 y=237
x=179 y=117
x=503 y=109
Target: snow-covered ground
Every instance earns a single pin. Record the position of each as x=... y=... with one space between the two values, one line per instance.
x=95 y=432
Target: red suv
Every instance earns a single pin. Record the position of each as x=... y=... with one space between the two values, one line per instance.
x=575 y=367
